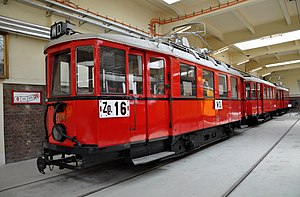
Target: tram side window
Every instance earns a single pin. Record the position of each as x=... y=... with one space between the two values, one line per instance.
x=135 y=74
x=208 y=83
x=258 y=90
x=112 y=70
x=187 y=80
x=265 y=92
x=270 y=93
x=61 y=74
x=247 y=90
x=253 y=91
x=234 y=88
x=157 y=76
x=85 y=70
x=223 y=92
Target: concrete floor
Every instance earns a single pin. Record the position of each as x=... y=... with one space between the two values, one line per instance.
x=208 y=172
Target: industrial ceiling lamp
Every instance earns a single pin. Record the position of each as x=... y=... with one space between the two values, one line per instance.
x=283 y=63
x=269 y=40
x=171 y=1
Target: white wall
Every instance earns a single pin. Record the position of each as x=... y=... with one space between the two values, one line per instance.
x=26 y=60
x=289 y=78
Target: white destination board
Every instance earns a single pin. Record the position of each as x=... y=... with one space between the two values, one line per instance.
x=113 y=108
x=218 y=104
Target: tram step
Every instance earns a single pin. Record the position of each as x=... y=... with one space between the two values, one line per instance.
x=153 y=157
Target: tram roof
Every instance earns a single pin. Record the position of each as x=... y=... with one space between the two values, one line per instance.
x=255 y=79
x=279 y=87
x=144 y=44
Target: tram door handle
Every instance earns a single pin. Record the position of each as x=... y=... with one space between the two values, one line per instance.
x=134 y=114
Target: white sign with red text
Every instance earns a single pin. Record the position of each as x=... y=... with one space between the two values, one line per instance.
x=27 y=97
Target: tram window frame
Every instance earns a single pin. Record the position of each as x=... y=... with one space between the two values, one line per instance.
x=270 y=93
x=258 y=90
x=248 y=90
x=108 y=87
x=265 y=92
x=208 y=83
x=225 y=89
x=253 y=91
x=234 y=87
x=157 y=88
x=188 y=85
x=135 y=87
x=56 y=89
x=4 y=73
x=90 y=73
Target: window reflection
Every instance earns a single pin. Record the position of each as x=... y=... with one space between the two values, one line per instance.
x=112 y=70
x=157 y=76
x=61 y=74
x=85 y=70
x=208 y=83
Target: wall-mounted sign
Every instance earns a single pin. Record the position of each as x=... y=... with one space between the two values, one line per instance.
x=26 y=97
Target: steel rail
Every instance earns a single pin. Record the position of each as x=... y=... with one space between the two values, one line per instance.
x=240 y=180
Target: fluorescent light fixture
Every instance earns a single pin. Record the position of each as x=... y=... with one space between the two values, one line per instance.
x=269 y=40
x=266 y=74
x=170 y=1
x=220 y=51
x=256 y=69
x=184 y=29
x=283 y=63
x=243 y=62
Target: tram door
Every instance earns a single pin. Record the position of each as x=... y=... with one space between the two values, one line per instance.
x=158 y=90
x=137 y=92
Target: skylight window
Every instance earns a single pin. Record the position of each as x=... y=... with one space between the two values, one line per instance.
x=243 y=62
x=256 y=69
x=171 y=1
x=220 y=51
x=283 y=63
x=269 y=40
x=267 y=74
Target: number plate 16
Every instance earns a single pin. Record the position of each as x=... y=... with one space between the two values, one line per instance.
x=113 y=108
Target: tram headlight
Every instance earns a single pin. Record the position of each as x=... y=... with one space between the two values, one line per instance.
x=56 y=135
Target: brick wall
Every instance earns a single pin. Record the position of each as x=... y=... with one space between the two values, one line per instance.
x=23 y=125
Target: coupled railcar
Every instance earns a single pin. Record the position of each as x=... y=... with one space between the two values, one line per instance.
x=263 y=99
x=113 y=96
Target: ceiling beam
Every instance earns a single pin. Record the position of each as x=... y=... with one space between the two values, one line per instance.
x=214 y=31
x=242 y=18
x=285 y=11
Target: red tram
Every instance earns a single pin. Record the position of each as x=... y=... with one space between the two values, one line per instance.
x=113 y=96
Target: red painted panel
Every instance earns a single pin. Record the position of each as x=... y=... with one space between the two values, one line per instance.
x=189 y=115
x=85 y=114
x=176 y=117
x=113 y=131
x=158 y=118
x=138 y=120
x=209 y=113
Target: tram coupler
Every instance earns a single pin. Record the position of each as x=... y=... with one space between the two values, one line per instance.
x=43 y=162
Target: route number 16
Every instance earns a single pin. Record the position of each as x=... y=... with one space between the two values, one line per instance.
x=113 y=108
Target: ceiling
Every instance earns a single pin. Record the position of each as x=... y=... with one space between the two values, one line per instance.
x=246 y=20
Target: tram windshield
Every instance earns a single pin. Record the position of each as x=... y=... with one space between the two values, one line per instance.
x=112 y=70
x=61 y=74
x=85 y=70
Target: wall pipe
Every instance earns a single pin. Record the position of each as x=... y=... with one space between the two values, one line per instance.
x=194 y=14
